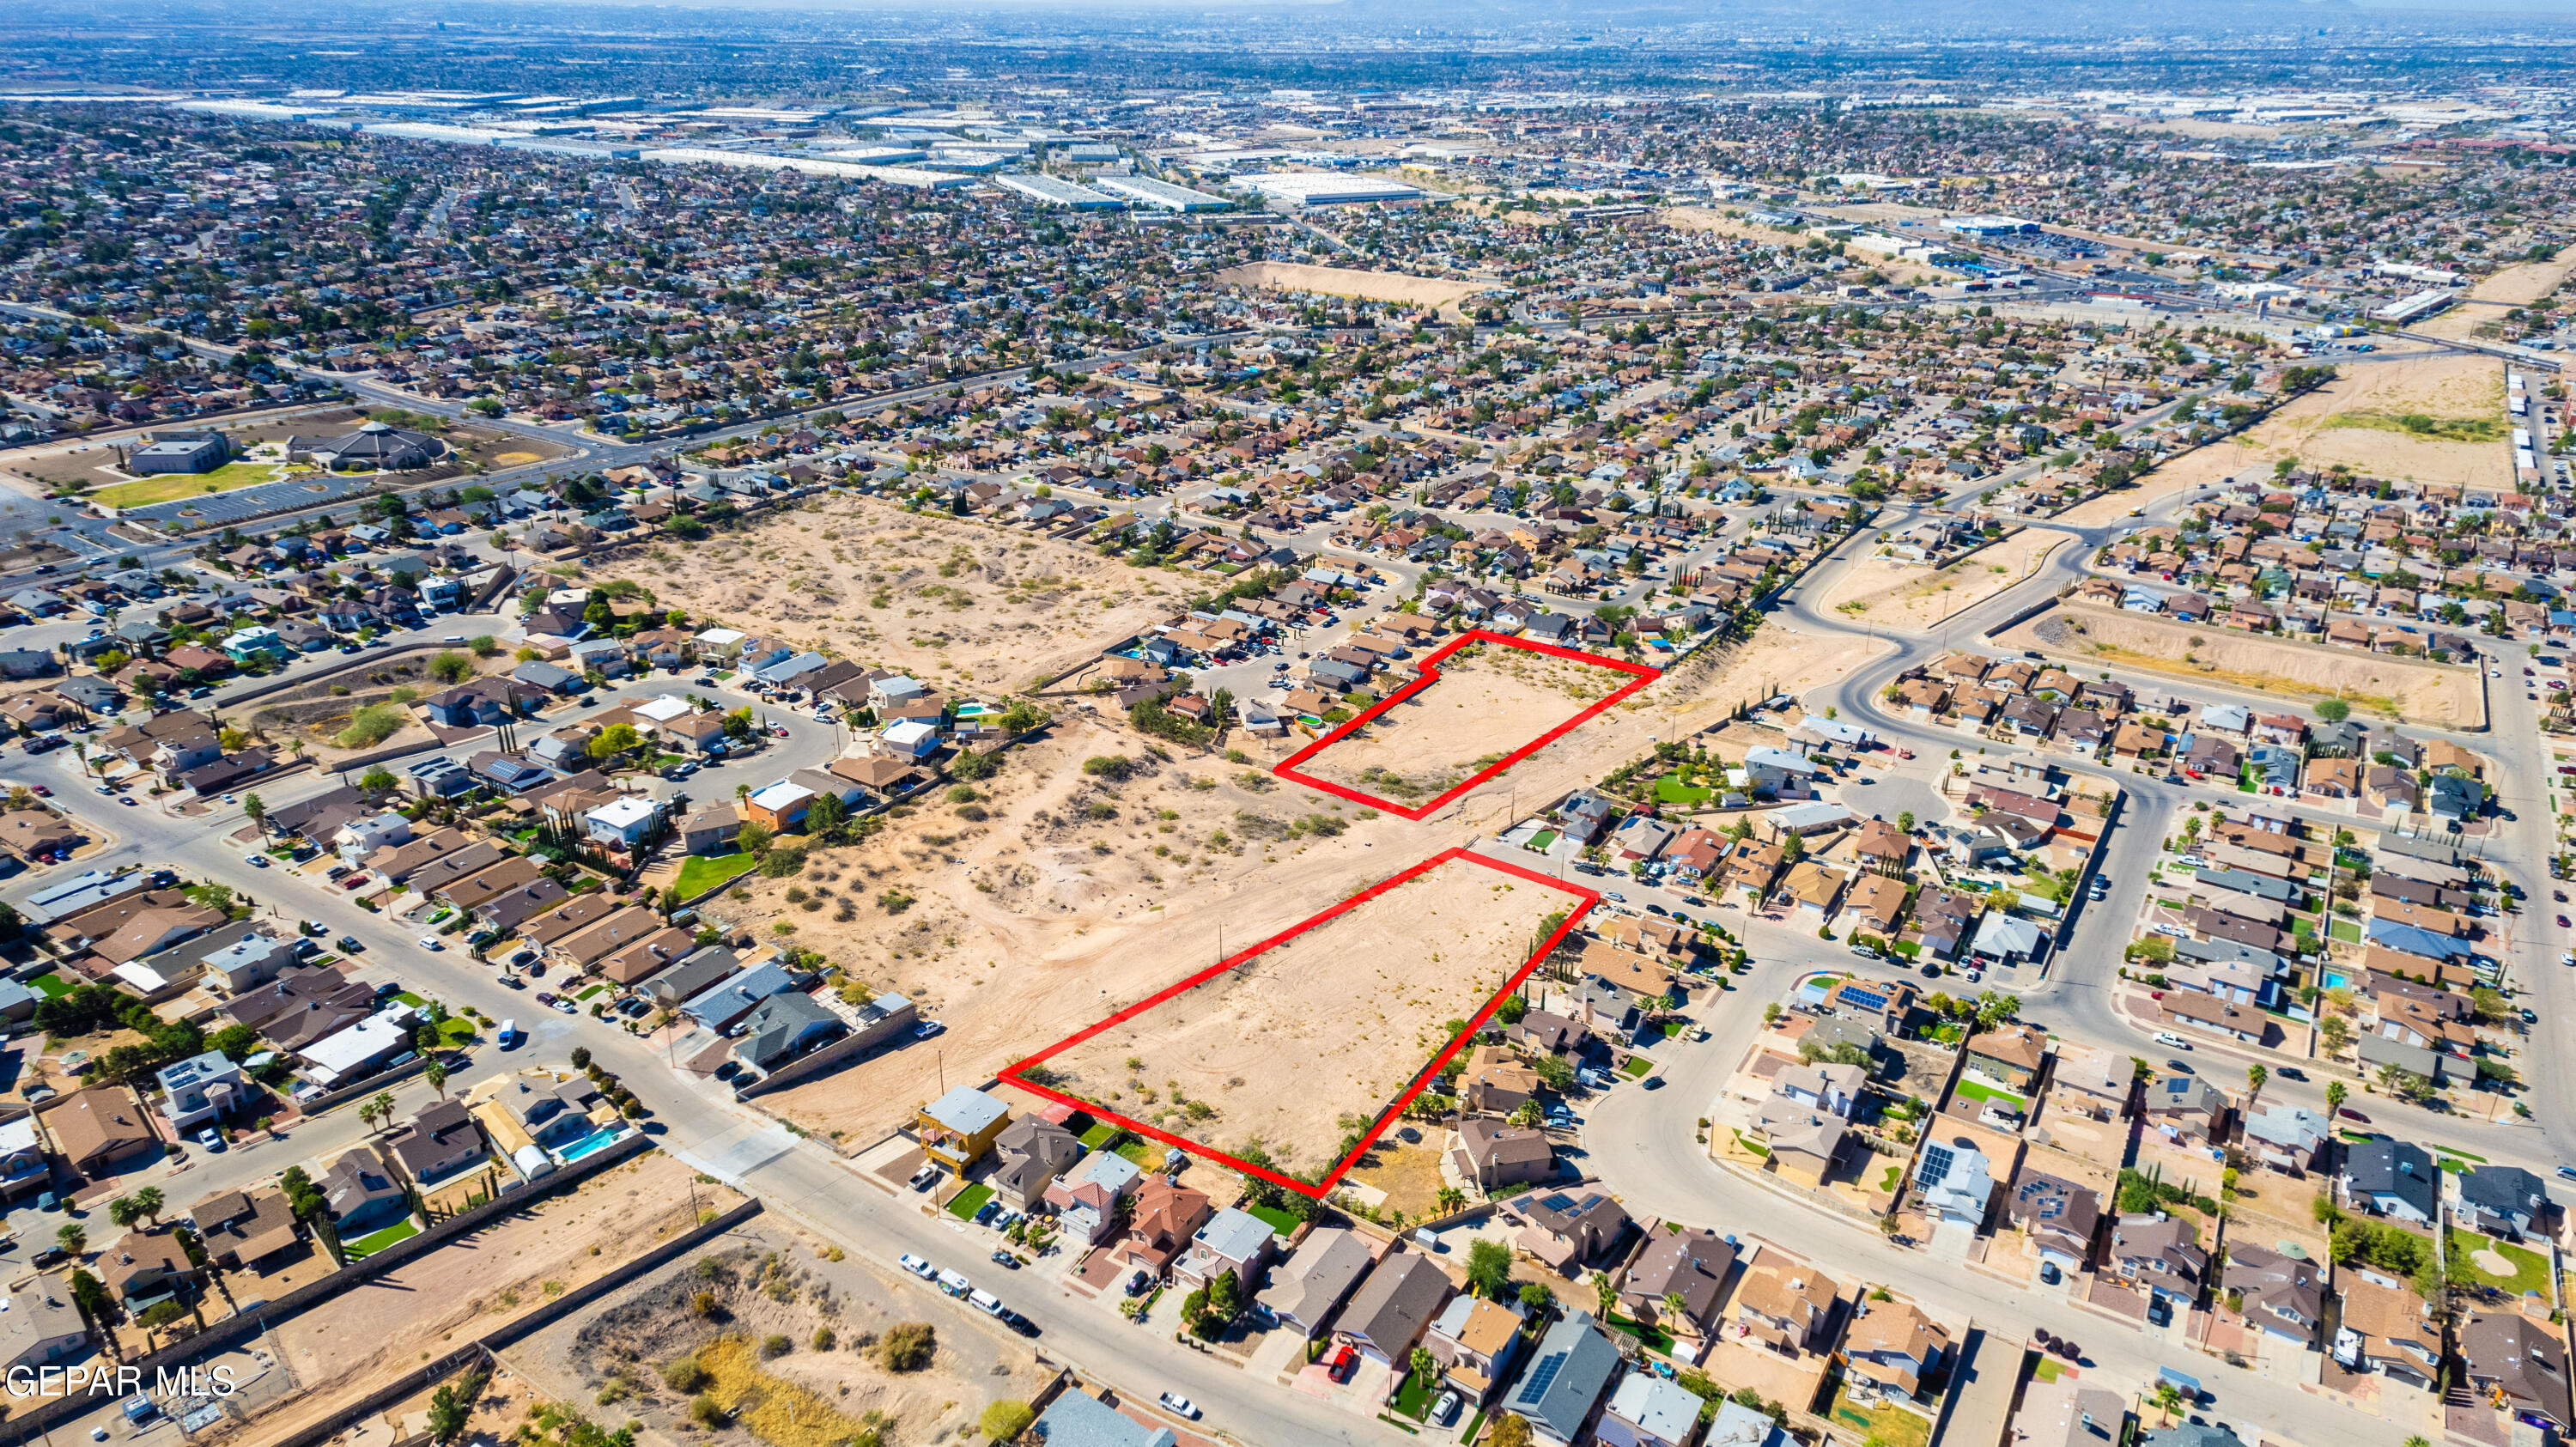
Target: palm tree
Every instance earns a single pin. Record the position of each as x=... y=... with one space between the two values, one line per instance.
x=72 y=1239
x=2335 y=1093
x=149 y=1202
x=124 y=1212
x=1452 y=1200
x=2255 y=1075
x=1676 y=1307
x=436 y=1075
x=2168 y=1399
x=384 y=1104
x=367 y=1113
x=1608 y=1293
x=257 y=809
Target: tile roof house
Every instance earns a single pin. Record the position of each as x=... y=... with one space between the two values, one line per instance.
x=1395 y=1306
x=101 y=1131
x=2388 y=1330
x=2158 y=1252
x=1786 y=1305
x=1892 y=1347
x=2061 y=1218
x=1498 y=1155
x=362 y=1194
x=1159 y=1227
x=1475 y=1341
x=244 y=1232
x=2067 y=1413
x=1086 y=1198
x=143 y=1265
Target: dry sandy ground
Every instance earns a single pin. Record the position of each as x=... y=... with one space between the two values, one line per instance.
x=773 y=1279
x=1322 y=1029
x=1489 y=700
x=2511 y=287
x=1891 y=594
x=1394 y=286
x=1020 y=929
x=2307 y=429
x=958 y=604
x=354 y=1341
x=2421 y=692
x=1900 y=272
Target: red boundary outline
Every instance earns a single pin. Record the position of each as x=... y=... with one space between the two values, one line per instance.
x=1587 y=899
x=1429 y=675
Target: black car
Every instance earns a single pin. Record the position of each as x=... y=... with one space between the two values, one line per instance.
x=1019 y=1323
x=1005 y=1259
x=48 y=1256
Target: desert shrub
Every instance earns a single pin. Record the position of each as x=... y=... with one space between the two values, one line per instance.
x=369 y=726
x=825 y=1339
x=683 y=1374
x=907 y=1346
x=775 y=1345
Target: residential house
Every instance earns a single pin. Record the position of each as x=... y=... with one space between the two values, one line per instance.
x=1165 y=1218
x=201 y=1088
x=2500 y=1201
x=1075 y=1419
x=1648 y=1411
x=2389 y=1331
x=1475 y=1341
x=1086 y=1198
x=144 y=1266
x=2159 y=1253
x=1305 y=1290
x=2066 y=1413
x=956 y=1129
x=362 y=1194
x=1893 y=1349
x=439 y=1142
x=2519 y=1363
x=1498 y=1155
x=101 y=1132
x=1231 y=1240
x=2282 y=1295
x=1690 y=1264
x=2010 y=1057
x=40 y=1327
x=1398 y=1302
x=2060 y=1218
x=2391 y=1178
x=1030 y=1152
x=1565 y=1230
x=1786 y=1305
x=1568 y=1375
x=244 y=1232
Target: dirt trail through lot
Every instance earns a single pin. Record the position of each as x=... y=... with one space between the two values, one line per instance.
x=1299 y=1045
x=1489 y=699
x=2447 y=696
x=1394 y=286
x=1892 y=594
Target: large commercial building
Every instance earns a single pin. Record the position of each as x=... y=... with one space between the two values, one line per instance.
x=1317 y=188
x=1988 y=225
x=1055 y=192
x=1161 y=194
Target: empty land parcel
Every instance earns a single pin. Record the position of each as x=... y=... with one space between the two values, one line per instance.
x=1303 y=1041
x=1481 y=704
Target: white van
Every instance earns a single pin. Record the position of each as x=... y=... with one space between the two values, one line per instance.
x=985 y=1302
x=955 y=1283
x=510 y=1036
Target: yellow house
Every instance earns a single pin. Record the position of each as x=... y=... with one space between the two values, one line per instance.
x=957 y=1128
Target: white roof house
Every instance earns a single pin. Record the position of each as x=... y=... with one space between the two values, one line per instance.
x=966 y=1110
x=911 y=737
x=337 y=1058
x=663 y=709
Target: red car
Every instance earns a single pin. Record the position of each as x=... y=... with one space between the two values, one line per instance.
x=354 y=880
x=42 y=792
x=2349 y=1113
x=1339 y=1365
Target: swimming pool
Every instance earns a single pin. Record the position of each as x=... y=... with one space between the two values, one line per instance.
x=2336 y=979
x=597 y=1140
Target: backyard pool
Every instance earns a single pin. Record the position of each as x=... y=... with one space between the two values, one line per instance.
x=595 y=1141
x=2337 y=979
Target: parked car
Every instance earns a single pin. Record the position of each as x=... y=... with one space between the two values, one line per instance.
x=431 y=943
x=1019 y=1323
x=2171 y=1041
x=1180 y=1406
x=917 y=1266
x=211 y=1139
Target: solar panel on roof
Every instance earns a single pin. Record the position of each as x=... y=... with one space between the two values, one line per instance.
x=1936 y=1163
x=1542 y=1377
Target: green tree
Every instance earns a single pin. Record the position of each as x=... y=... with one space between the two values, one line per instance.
x=2335 y=1094
x=1005 y=1421
x=1512 y=1430
x=826 y=816
x=149 y=1201
x=71 y=1238
x=436 y=1074
x=1489 y=1269
x=2333 y=710
x=257 y=809
x=451 y=667
x=617 y=738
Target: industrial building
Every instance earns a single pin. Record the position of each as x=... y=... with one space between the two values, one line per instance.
x=2416 y=307
x=1315 y=188
x=1988 y=225
x=1060 y=193
x=1161 y=194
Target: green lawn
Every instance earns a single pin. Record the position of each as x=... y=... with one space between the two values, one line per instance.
x=408 y=998
x=1542 y=839
x=1636 y=1066
x=172 y=485
x=1279 y=1222
x=969 y=1201
x=1977 y=1091
x=2463 y=1155
x=454 y=1031
x=50 y=985
x=2346 y=931
x=706 y=872
x=1413 y=1399
x=369 y=1245
x=1655 y=1337
x=1673 y=791
x=2530 y=1268
x=1885 y=1425
x=1098 y=1136
x=2048 y=1369
x=593 y=990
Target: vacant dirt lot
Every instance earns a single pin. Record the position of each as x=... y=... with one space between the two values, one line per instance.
x=2354 y=420
x=1310 y=1039
x=355 y=1341
x=1078 y=891
x=2395 y=688
x=764 y=1282
x=1489 y=699
x=2512 y=287
x=958 y=604
x=1395 y=286
x=1892 y=594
